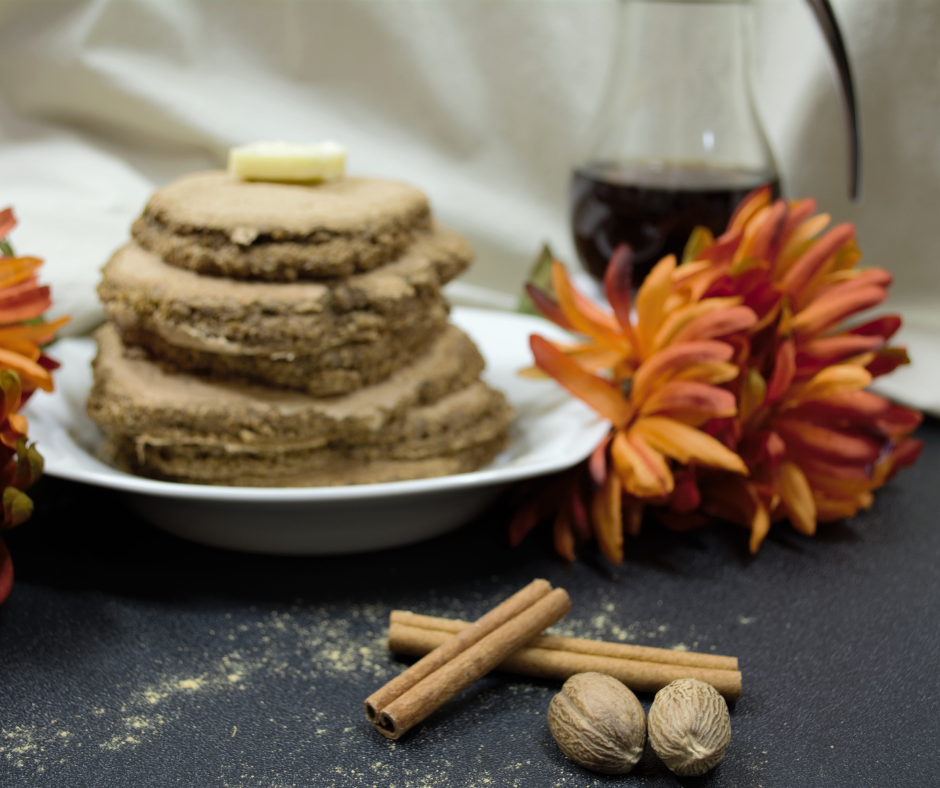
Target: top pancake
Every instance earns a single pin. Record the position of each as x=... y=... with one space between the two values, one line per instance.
x=214 y=224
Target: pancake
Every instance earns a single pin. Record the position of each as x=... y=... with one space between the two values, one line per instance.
x=431 y=418
x=133 y=395
x=462 y=430
x=215 y=224
x=325 y=338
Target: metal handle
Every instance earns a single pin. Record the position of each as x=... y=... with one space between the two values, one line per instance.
x=833 y=35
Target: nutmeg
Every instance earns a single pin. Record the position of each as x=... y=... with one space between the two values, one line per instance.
x=598 y=723
x=689 y=727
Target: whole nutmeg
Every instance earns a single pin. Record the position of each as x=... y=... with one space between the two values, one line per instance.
x=689 y=727
x=598 y=723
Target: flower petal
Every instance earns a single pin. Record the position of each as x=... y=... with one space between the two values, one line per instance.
x=563 y=536
x=862 y=406
x=835 y=306
x=714 y=372
x=596 y=392
x=839 y=377
x=650 y=300
x=905 y=453
x=887 y=360
x=686 y=497
x=672 y=360
x=608 y=520
x=699 y=240
x=7 y=223
x=798 y=242
x=884 y=327
x=688 y=395
x=6 y=569
x=618 y=281
x=899 y=421
x=717 y=324
x=597 y=464
x=581 y=312
x=825 y=442
x=748 y=207
x=24 y=304
x=28 y=370
x=17 y=270
x=760 y=527
x=763 y=235
x=784 y=370
x=642 y=469
x=686 y=444
x=40 y=333
x=548 y=306
x=797 y=497
x=813 y=260
x=816 y=354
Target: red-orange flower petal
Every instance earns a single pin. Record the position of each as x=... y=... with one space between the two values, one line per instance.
x=6 y=568
x=818 y=353
x=608 y=521
x=784 y=371
x=24 y=305
x=7 y=223
x=833 y=444
x=686 y=444
x=811 y=261
x=674 y=359
x=884 y=327
x=642 y=469
x=617 y=287
x=690 y=396
x=797 y=497
x=28 y=370
x=548 y=306
x=605 y=398
x=580 y=312
x=717 y=324
x=563 y=536
x=834 y=307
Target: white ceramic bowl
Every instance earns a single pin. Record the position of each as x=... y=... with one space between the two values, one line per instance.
x=552 y=431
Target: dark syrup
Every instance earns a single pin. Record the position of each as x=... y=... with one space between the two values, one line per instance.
x=654 y=209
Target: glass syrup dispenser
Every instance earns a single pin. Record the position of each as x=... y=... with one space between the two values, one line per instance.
x=677 y=142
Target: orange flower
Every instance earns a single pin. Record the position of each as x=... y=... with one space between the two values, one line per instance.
x=22 y=298
x=616 y=342
x=23 y=369
x=817 y=444
x=672 y=363
x=792 y=434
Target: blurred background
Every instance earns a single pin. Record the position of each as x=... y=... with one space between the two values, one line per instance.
x=484 y=105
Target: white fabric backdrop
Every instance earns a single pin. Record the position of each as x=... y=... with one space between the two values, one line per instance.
x=482 y=104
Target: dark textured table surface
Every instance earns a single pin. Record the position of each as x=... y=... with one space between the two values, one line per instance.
x=129 y=657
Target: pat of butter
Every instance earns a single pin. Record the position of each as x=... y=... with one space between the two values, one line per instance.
x=288 y=162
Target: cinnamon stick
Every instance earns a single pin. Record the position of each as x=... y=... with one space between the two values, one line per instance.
x=582 y=645
x=550 y=663
x=393 y=711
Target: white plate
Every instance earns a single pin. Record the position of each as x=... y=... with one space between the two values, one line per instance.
x=552 y=431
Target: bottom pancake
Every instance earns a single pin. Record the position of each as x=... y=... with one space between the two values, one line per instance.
x=429 y=419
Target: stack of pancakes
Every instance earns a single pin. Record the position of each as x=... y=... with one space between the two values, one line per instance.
x=268 y=334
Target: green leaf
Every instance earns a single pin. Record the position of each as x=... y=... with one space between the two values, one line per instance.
x=29 y=464
x=700 y=239
x=540 y=275
x=17 y=507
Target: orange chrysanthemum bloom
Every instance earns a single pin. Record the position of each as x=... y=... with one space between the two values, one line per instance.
x=816 y=442
x=23 y=369
x=735 y=373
